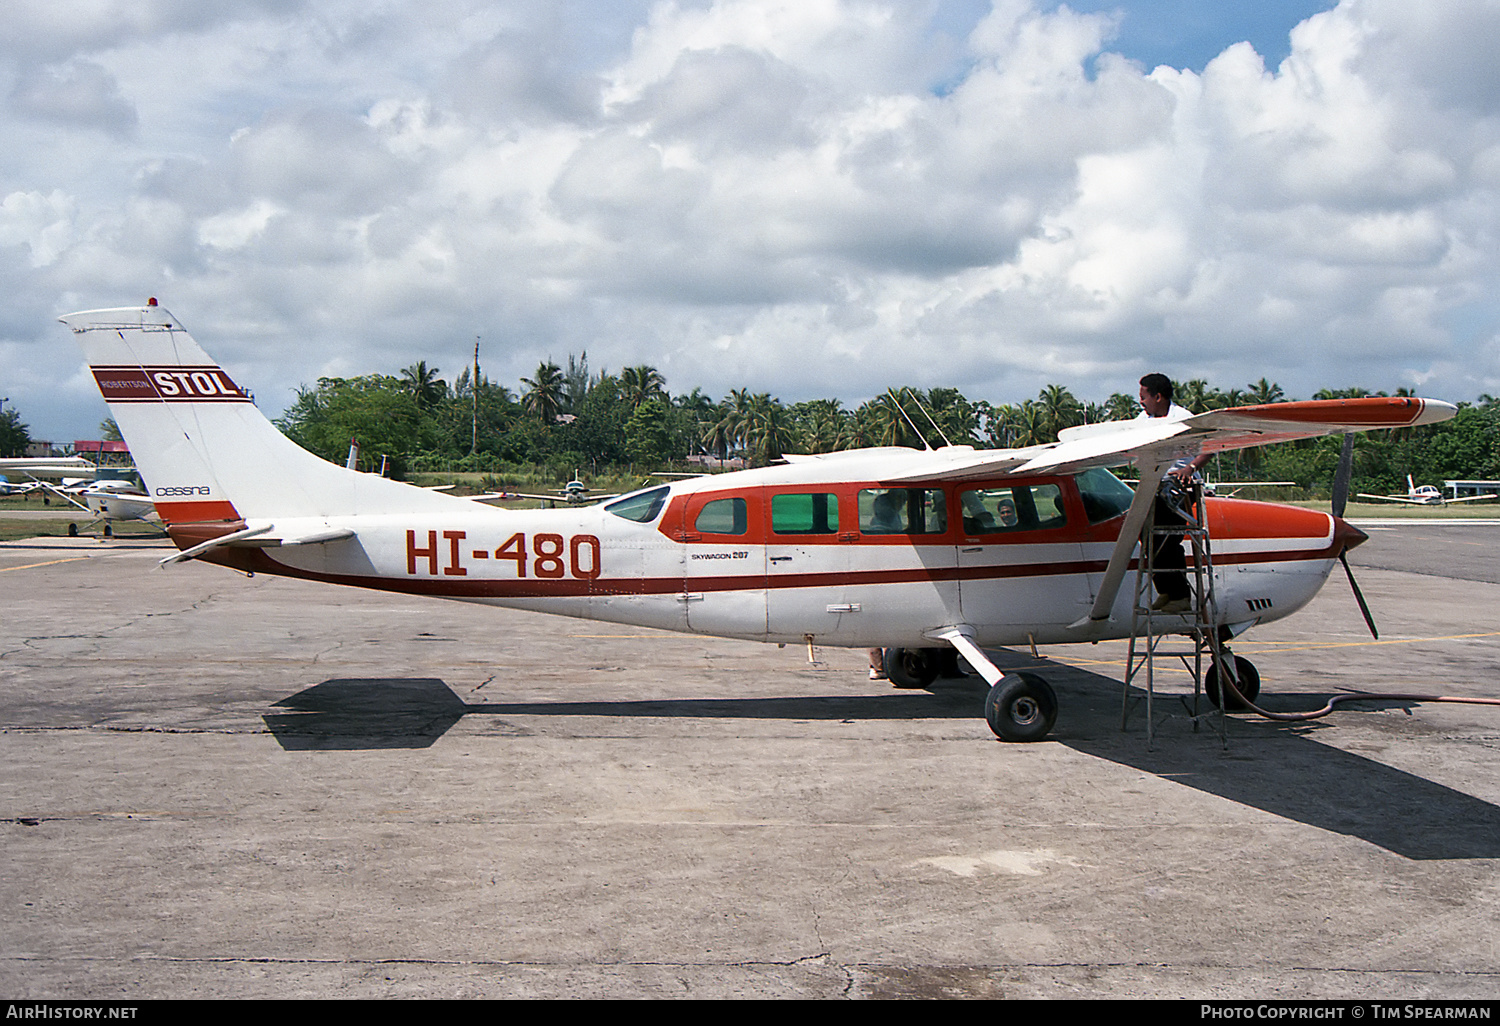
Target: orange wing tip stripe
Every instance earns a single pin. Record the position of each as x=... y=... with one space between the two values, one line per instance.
x=1372 y=412
x=167 y=385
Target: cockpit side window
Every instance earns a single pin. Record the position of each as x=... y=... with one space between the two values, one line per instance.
x=641 y=507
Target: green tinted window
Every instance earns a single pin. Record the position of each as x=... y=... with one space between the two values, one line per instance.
x=816 y=513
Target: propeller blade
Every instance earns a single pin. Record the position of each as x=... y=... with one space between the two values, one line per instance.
x=1359 y=597
x=1341 y=480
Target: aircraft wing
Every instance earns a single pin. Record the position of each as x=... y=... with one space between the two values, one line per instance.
x=1392 y=498
x=42 y=466
x=1472 y=498
x=1154 y=441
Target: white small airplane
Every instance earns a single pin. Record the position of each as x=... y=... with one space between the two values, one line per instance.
x=574 y=493
x=108 y=502
x=889 y=547
x=1424 y=495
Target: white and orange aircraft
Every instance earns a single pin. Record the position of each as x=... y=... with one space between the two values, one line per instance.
x=887 y=547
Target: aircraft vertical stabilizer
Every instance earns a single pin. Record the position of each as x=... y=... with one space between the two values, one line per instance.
x=201 y=445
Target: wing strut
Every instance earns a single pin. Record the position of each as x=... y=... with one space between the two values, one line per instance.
x=1130 y=534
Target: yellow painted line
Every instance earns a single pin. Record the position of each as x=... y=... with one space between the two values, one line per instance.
x=1294 y=646
x=50 y=562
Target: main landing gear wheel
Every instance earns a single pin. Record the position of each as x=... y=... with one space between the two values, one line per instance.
x=1247 y=683
x=912 y=668
x=1022 y=707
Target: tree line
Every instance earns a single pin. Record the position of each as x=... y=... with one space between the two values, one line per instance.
x=566 y=418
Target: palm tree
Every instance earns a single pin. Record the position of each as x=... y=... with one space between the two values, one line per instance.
x=544 y=394
x=768 y=431
x=823 y=425
x=1264 y=391
x=1120 y=406
x=1059 y=410
x=637 y=384
x=1026 y=424
x=1192 y=396
x=424 y=384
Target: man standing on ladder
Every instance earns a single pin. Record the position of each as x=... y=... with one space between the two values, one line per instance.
x=1169 y=579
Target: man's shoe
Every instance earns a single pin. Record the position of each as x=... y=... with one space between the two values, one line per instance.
x=1171 y=606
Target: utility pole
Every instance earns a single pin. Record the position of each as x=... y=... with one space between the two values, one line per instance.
x=474 y=442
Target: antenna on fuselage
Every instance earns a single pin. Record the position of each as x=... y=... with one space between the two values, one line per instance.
x=935 y=426
x=890 y=394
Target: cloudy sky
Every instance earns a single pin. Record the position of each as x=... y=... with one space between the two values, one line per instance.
x=816 y=198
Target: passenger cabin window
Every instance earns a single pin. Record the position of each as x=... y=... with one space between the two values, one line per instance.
x=1014 y=508
x=722 y=516
x=902 y=511
x=1104 y=495
x=815 y=513
x=642 y=507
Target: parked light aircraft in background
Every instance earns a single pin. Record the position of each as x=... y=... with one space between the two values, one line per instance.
x=108 y=502
x=886 y=547
x=574 y=493
x=1424 y=495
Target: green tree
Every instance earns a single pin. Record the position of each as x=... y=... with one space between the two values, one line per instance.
x=1263 y=391
x=642 y=383
x=14 y=435
x=1059 y=409
x=424 y=384
x=545 y=395
x=647 y=437
x=376 y=409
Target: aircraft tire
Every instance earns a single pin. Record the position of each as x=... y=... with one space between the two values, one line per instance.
x=1248 y=684
x=910 y=668
x=1021 y=707
x=72 y=530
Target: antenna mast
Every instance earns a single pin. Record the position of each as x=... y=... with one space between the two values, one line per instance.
x=474 y=442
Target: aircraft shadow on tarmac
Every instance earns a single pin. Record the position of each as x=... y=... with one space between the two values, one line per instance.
x=1274 y=767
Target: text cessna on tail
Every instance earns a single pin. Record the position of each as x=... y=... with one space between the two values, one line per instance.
x=875 y=547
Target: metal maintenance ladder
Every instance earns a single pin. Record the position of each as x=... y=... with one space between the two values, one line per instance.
x=1150 y=630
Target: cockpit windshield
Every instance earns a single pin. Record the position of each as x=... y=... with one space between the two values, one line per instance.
x=641 y=507
x=1104 y=495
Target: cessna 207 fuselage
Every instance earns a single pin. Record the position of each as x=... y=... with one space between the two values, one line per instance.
x=877 y=547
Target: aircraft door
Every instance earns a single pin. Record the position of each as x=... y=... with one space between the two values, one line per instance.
x=902 y=572
x=724 y=565
x=807 y=563
x=1020 y=560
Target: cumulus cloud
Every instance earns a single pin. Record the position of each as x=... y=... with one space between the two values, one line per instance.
x=822 y=197
x=79 y=93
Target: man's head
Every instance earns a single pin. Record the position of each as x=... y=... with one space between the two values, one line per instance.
x=1156 y=394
